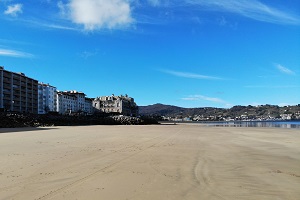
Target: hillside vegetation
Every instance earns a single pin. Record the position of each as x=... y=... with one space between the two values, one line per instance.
x=262 y=112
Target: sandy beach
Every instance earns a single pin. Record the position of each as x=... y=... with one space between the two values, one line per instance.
x=150 y=162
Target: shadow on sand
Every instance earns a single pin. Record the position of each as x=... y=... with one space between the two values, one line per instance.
x=24 y=129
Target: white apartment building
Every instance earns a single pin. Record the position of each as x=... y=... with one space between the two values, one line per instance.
x=73 y=102
x=47 y=98
x=66 y=103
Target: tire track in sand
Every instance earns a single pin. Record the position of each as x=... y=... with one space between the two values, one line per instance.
x=202 y=175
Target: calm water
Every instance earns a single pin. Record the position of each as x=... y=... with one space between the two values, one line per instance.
x=278 y=124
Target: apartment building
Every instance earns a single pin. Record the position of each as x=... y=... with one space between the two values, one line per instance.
x=18 y=92
x=73 y=102
x=47 y=101
x=88 y=106
x=66 y=103
x=116 y=104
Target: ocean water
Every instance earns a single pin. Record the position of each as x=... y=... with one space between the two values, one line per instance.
x=278 y=124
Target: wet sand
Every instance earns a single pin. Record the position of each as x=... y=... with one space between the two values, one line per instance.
x=150 y=162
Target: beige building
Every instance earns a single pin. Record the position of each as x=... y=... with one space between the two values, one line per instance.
x=18 y=92
x=116 y=104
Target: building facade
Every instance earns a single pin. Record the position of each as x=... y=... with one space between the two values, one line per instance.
x=18 y=92
x=69 y=102
x=66 y=103
x=47 y=101
x=88 y=106
x=116 y=104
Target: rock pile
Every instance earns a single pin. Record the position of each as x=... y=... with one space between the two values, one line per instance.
x=126 y=120
x=13 y=120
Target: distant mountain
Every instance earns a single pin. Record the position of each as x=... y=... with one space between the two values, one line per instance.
x=160 y=109
x=236 y=112
x=173 y=111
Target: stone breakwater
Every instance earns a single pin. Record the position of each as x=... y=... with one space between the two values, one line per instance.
x=15 y=120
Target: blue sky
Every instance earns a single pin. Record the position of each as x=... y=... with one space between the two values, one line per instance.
x=189 y=53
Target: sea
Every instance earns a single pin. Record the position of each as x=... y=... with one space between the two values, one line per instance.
x=275 y=124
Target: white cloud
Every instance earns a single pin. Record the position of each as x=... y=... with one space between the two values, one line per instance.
x=252 y=9
x=13 y=53
x=14 y=10
x=190 y=75
x=284 y=70
x=98 y=14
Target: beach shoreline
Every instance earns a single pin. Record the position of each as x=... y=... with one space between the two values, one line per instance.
x=185 y=161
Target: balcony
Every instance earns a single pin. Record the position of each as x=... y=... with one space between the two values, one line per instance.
x=6 y=80
x=16 y=91
x=16 y=98
x=7 y=75
x=16 y=105
x=7 y=98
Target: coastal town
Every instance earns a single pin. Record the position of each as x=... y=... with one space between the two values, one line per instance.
x=235 y=113
x=22 y=94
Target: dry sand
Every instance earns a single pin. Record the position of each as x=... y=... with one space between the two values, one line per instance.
x=150 y=162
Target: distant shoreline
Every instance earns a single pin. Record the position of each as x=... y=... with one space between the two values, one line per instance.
x=254 y=123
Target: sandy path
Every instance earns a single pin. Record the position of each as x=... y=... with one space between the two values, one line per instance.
x=150 y=162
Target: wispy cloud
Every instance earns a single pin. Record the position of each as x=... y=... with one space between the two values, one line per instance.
x=284 y=70
x=14 y=53
x=253 y=9
x=98 y=14
x=88 y=54
x=190 y=75
x=55 y=26
x=14 y=10
x=154 y=2
x=206 y=98
x=201 y=97
x=163 y=3
x=49 y=24
x=272 y=86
